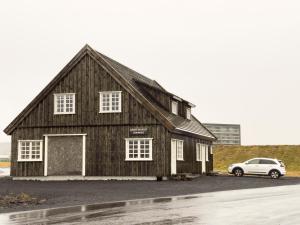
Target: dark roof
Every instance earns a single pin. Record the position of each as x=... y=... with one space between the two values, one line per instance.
x=189 y=126
x=130 y=80
x=181 y=124
x=131 y=75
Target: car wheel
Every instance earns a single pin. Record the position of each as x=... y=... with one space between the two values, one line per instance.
x=274 y=174
x=238 y=172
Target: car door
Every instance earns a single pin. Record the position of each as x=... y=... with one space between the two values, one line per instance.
x=265 y=165
x=252 y=166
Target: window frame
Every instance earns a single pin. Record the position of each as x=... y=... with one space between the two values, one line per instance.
x=65 y=95
x=174 y=103
x=30 y=159
x=179 y=155
x=205 y=147
x=110 y=102
x=189 y=113
x=139 y=149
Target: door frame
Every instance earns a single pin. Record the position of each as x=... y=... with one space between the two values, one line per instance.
x=173 y=156
x=203 y=157
x=62 y=135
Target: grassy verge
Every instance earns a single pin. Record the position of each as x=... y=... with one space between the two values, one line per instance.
x=289 y=154
x=11 y=200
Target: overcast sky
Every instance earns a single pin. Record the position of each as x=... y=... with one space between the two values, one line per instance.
x=237 y=61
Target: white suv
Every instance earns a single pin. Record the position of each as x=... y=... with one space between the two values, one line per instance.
x=259 y=166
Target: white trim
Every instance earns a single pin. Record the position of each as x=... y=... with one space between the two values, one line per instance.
x=65 y=135
x=138 y=138
x=19 y=159
x=177 y=98
x=174 y=103
x=139 y=150
x=55 y=103
x=173 y=156
x=54 y=135
x=83 y=154
x=110 y=102
x=64 y=178
x=189 y=113
x=46 y=157
x=177 y=141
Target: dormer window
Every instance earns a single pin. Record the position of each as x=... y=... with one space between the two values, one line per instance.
x=175 y=107
x=188 y=113
x=110 y=101
x=64 y=103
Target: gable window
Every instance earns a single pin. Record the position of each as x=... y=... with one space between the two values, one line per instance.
x=202 y=152
x=64 y=103
x=175 y=107
x=110 y=101
x=30 y=150
x=188 y=113
x=138 y=149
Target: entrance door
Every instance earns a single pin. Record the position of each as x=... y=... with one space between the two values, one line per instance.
x=173 y=156
x=64 y=155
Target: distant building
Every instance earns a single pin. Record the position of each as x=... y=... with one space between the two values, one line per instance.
x=227 y=134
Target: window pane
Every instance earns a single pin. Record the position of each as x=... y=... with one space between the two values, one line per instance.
x=138 y=149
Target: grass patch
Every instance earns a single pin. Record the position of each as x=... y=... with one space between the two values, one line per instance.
x=11 y=200
x=289 y=154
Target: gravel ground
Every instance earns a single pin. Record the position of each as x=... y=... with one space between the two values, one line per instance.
x=68 y=193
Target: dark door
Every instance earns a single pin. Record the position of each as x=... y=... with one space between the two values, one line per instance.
x=64 y=155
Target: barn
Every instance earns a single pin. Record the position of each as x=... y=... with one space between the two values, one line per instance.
x=98 y=119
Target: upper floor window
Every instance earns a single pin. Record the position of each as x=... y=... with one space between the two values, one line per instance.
x=175 y=107
x=110 y=101
x=188 y=113
x=30 y=150
x=139 y=149
x=64 y=103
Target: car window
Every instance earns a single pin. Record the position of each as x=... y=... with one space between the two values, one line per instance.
x=253 y=161
x=266 y=161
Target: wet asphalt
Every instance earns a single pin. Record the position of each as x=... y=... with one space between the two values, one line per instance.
x=267 y=206
x=70 y=193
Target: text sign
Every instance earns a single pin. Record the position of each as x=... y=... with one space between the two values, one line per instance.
x=138 y=131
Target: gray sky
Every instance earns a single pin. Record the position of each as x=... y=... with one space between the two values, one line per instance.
x=238 y=61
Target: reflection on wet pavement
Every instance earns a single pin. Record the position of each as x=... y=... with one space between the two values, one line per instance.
x=276 y=205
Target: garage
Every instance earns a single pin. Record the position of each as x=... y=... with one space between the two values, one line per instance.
x=64 y=155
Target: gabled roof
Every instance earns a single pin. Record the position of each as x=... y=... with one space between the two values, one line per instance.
x=129 y=80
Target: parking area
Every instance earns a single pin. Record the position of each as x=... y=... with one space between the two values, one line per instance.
x=68 y=193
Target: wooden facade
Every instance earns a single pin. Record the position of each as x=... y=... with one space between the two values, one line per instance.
x=87 y=75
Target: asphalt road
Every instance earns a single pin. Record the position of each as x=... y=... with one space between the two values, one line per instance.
x=70 y=193
x=267 y=206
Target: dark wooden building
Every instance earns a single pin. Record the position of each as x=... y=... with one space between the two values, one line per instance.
x=98 y=119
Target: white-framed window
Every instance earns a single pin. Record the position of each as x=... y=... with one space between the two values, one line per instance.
x=64 y=103
x=138 y=149
x=179 y=149
x=202 y=152
x=110 y=101
x=175 y=107
x=188 y=113
x=30 y=150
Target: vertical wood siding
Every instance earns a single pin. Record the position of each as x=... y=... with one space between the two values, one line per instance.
x=189 y=164
x=105 y=151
